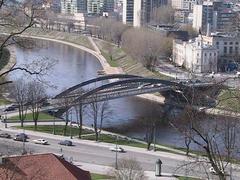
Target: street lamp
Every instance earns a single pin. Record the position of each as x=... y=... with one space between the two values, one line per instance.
x=71 y=124
x=158 y=167
x=116 y=155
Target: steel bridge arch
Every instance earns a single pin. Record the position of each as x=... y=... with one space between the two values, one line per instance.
x=109 y=85
x=94 y=80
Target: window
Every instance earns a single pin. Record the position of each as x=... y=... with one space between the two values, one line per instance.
x=236 y=43
x=210 y=54
x=225 y=43
x=231 y=43
x=231 y=50
x=225 y=50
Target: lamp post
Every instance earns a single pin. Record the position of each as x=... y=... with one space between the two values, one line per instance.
x=71 y=124
x=116 y=155
x=158 y=167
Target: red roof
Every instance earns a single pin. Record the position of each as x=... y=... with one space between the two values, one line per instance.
x=40 y=167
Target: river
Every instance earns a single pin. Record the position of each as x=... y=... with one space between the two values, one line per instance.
x=74 y=66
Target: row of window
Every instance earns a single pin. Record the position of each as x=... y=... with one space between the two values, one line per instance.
x=230 y=43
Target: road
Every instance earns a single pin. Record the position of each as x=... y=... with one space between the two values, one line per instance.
x=99 y=154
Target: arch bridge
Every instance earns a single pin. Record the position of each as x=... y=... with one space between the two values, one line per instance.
x=117 y=86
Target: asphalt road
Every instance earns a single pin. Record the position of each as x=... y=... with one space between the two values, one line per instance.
x=96 y=154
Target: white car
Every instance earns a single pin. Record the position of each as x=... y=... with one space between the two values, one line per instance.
x=40 y=141
x=116 y=149
x=212 y=171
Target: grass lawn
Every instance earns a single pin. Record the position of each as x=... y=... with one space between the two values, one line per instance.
x=42 y=116
x=187 y=178
x=112 y=62
x=99 y=176
x=112 y=139
x=229 y=100
x=58 y=129
x=4 y=101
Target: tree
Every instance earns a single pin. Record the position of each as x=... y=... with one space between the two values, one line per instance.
x=19 y=91
x=98 y=111
x=163 y=15
x=80 y=109
x=128 y=169
x=36 y=94
x=217 y=137
x=17 y=17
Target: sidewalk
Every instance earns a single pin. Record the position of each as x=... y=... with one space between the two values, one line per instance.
x=106 y=170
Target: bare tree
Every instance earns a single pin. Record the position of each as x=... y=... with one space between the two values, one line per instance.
x=36 y=94
x=217 y=137
x=19 y=92
x=16 y=18
x=98 y=111
x=128 y=169
x=163 y=15
x=80 y=109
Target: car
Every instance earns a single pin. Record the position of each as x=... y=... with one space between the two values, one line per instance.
x=20 y=138
x=22 y=135
x=40 y=141
x=116 y=149
x=9 y=109
x=212 y=171
x=5 y=135
x=66 y=143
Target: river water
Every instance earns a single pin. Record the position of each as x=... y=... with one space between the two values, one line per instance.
x=73 y=66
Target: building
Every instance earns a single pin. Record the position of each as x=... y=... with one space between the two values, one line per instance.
x=40 y=166
x=94 y=6
x=73 y=6
x=195 y=55
x=185 y=4
x=228 y=47
x=138 y=12
x=213 y=16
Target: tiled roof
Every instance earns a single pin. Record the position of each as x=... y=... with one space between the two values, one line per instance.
x=40 y=167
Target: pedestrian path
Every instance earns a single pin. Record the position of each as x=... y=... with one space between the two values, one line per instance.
x=107 y=170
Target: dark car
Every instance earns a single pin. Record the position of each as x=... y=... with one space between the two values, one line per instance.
x=20 y=138
x=5 y=135
x=66 y=143
x=22 y=135
x=10 y=108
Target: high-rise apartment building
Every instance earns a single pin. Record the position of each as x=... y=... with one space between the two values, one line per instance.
x=73 y=6
x=138 y=12
x=100 y=6
x=185 y=4
x=213 y=16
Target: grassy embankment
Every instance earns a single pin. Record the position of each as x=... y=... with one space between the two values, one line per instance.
x=229 y=100
x=42 y=117
x=116 y=57
x=99 y=176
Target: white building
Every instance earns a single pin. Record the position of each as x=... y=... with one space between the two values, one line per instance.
x=73 y=6
x=195 y=56
x=185 y=4
x=227 y=45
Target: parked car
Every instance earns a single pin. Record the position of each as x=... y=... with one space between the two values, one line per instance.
x=40 y=141
x=66 y=143
x=5 y=135
x=118 y=149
